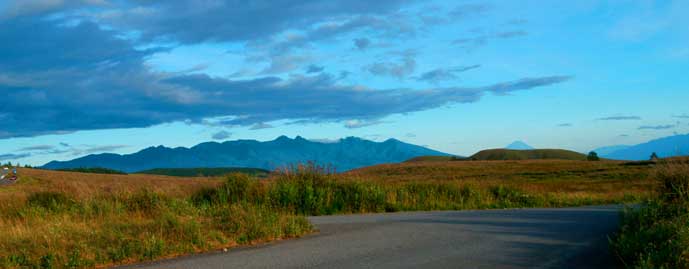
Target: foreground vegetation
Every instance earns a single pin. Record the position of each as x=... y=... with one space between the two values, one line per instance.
x=656 y=235
x=65 y=220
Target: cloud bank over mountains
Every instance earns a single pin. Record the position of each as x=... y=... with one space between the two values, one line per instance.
x=82 y=65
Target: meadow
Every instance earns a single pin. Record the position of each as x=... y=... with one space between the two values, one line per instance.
x=52 y=219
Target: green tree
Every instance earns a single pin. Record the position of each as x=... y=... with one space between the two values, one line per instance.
x=593 y=156
x=654 y=156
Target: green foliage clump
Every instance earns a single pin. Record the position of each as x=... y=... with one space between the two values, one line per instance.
x=93 y=170
x=656 y=235
x=593 y=157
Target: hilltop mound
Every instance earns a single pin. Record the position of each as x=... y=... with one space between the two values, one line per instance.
x=535 y=154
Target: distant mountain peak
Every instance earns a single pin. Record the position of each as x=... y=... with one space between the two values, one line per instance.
x=519 y=145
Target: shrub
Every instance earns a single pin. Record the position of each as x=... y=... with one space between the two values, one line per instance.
x=657 y=234
x=51 y=201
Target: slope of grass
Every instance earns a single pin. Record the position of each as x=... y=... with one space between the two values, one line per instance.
x=55 y=219
x=535 y=154
x=204 y=172
x=656 y=235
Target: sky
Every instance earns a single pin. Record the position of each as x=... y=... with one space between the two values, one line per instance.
x=90 y=76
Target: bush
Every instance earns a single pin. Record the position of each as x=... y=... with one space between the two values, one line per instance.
x=51 y=201
x=657 y=234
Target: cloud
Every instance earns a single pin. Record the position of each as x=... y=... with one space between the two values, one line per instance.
x=624 y=135
x=64 y=144
x=657 y=127
x=100 y=81
x=410 y=135
x=362 y=43
x=314 y=69
x=444 y=74
x=618 y=118
x=261 y=125
x=468 y=10
x=470 y=43
x=12 y=156
x=37 y=148
x=187 y=21
x=400 y=70
x=95 y=149
x=355 y=124
x=222 y=135
x=683 y=116
x=564 y=125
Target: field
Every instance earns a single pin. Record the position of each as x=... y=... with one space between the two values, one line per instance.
x=56 y=219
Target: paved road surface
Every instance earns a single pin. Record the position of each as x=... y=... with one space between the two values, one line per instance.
x=522 y=238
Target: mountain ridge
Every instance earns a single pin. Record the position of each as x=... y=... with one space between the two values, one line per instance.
x=669 y=146
x=345 y=154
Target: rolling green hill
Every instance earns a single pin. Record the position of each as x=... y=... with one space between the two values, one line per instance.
x=535 y=154
x=204 y=172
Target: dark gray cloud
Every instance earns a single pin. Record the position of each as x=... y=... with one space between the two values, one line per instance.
x=96 y=149
x=683 y=116
x=314 y=69
x=657 y=127
x=444 y=74
x=58 y=76
x=12 y=156
x=188 y=21
x=261 y=125
x=616 y=118
x=410 y=135
x=564 y=125
x=222 y=135
x=37 y=148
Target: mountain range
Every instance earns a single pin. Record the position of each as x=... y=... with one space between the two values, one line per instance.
x=665 y=147
x=344 y=154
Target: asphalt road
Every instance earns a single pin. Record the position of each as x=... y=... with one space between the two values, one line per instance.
x=521 y=238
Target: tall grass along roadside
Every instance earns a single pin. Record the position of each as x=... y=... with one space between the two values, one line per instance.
x=107 y=223
x=656 y=235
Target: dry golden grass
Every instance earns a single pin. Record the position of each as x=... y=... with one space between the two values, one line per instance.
x=567 y=179
x=86 y=185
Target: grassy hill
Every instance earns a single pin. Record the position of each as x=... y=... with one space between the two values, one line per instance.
x=205 y=172
x=535 y=154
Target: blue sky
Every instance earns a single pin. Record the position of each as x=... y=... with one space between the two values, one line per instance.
x=91 y=76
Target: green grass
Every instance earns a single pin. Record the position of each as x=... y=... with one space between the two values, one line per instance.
x=93 y=170
x=656 y=235
x=204 y=172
